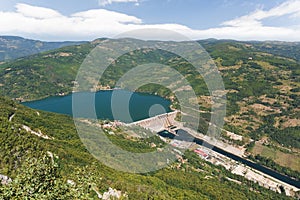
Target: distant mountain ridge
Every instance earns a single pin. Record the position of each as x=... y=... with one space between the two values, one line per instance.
x=13 y=47
x=279 y=48
x=285 y=49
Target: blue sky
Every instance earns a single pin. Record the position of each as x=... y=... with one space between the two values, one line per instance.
x=197 y=19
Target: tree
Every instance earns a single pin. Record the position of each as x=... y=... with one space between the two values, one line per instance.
x=40 y=179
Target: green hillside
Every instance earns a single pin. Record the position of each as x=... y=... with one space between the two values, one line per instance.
x=13 y=47
x=265 y=79
x=36 y=176
x=263 y=91
x=43 y=74
x=285 y=49
x=262 y=87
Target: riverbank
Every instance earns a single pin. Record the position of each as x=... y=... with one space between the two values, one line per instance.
x=237 y=165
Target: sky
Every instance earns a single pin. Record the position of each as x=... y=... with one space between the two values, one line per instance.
x=59 y=20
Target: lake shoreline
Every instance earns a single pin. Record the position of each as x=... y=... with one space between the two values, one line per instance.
x=139 y=107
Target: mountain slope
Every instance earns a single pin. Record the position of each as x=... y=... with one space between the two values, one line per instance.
x=193 y=180
x=44 y=74
x=12 y=47
x=262 y=89
x=285 y=49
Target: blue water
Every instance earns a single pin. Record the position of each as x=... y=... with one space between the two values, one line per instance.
x=138 y=107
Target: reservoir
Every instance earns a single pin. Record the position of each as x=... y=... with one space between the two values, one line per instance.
x=140 y=106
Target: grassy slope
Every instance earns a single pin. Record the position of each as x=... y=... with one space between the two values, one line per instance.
x=181 y=183
x=263 y=92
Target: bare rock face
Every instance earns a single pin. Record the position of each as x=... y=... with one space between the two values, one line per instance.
x=5 y=179
x=112 y=194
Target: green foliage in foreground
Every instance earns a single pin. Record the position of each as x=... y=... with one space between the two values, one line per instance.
x=38 y=177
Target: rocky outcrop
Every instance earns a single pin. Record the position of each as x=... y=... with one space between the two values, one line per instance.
x=5 y=179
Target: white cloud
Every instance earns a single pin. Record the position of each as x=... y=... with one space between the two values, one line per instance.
x=251 y=27
x=47 y=24
x=107 y=16
x=291 y=7
x=36 y=12
x=106 y=2
x=44 y=23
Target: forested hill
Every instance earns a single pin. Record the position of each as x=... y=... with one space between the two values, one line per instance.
x=262 y=85
x=286 y=49
x=55 y=165
x=12 y=47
